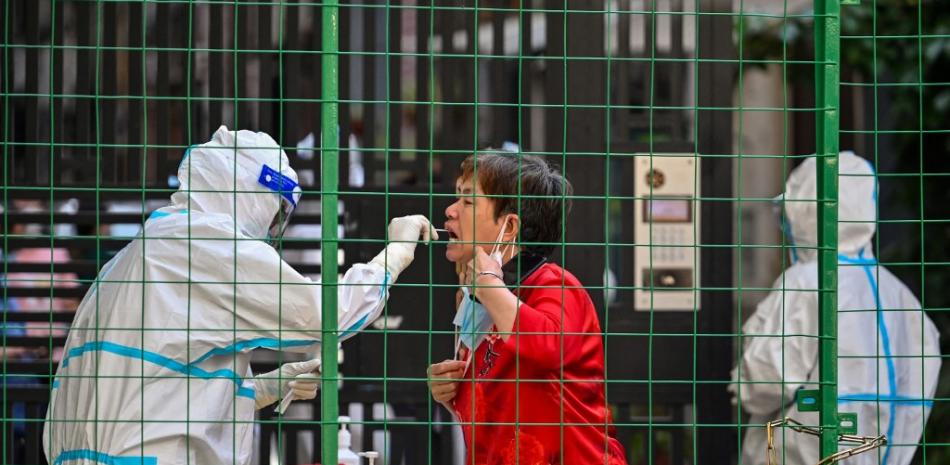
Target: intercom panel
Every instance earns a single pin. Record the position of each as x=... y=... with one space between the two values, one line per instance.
x=666 y=232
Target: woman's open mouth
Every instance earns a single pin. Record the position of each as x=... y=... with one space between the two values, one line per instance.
x=453 y=237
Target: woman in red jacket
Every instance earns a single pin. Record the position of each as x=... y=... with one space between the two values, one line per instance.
x=527 y=384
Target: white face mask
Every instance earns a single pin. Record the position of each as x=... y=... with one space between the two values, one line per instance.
x=472 y=321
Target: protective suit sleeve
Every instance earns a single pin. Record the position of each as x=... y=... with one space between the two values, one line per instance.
x=278 y=308
x=780 y=347
x=923 y=376
x=362 y=294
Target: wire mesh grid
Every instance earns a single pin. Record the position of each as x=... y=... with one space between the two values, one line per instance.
x=675 y=121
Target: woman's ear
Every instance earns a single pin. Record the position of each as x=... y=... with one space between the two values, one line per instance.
x=514 y=227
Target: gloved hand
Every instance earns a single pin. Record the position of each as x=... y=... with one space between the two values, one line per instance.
x=404 y=233
x=271 y=387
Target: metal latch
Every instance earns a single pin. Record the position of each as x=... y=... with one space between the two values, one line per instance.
x=808 y=400
x=862 y=443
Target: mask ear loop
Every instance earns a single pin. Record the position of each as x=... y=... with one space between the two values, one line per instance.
x=458 y=339
x=455 y=356
x=497 y=245
x=468 y=361
x=508 y=248
x=468 y=355
x=457 y=332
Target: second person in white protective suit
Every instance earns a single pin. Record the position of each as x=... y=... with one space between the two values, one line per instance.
x=156 y=369
x=888 y=349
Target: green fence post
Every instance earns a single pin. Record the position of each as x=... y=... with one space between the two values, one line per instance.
x=827 y=44
x=329 y=182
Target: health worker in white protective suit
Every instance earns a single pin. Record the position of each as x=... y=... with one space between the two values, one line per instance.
x=156 y=369
x=888 y=351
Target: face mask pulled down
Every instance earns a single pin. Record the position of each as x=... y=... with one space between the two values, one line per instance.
x=472 y=320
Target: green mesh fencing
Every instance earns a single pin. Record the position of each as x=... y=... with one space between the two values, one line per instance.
x=676 y=122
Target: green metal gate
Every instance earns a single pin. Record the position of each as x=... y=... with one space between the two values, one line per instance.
x=100 y=100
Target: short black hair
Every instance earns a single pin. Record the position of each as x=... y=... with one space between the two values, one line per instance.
x=541 y=203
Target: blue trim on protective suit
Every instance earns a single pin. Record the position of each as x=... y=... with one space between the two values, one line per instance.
x=866 y=264
x=860 y=260
x=185 y=157
x=86 y=454
x=382 y=289
x=158 y=359
x=160 y=214
x=278 y=344
x=362 y=321
x=355 y=327
x=787 y=230
x=874 y=397
x=105 y=272
x=873 y=175
x=263 y=342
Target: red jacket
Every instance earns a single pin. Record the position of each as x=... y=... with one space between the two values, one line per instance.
x=518 y=382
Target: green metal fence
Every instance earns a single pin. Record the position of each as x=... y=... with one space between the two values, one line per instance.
x=826 y=142
x=376 y=103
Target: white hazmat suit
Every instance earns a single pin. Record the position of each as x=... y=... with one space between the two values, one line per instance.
x=156 y=366
x=888 y=349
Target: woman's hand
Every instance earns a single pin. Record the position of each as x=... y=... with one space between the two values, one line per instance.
x=483 y=271
x=489 y=288
x=443 y=380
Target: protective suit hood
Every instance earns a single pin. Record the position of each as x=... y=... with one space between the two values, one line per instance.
x=222 y=176
x=857 y=208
